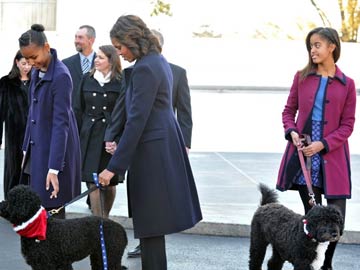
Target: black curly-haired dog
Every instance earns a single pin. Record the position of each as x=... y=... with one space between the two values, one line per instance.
x=54 y=244
x=300 y=240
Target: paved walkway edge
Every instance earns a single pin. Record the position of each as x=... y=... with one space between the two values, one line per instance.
x=220 y=229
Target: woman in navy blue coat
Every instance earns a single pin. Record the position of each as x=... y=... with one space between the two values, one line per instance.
x=51 y=139
x=162 y=192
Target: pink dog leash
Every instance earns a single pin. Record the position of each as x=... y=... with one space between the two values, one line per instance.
x=306 y=169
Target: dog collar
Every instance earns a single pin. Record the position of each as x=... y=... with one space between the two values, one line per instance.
x=35 y=227
x=308 y=234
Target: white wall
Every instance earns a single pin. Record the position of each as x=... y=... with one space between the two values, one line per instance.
x=227 y=61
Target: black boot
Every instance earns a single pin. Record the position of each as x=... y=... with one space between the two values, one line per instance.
x=136 y=252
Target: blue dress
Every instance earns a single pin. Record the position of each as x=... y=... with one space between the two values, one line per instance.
x=316 y=135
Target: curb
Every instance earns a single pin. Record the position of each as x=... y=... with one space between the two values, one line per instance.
x=232 y=88
x=219 y=229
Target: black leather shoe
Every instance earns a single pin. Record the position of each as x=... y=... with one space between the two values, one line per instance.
x=136 y=252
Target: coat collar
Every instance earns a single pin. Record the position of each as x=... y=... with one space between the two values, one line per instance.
x=339 y=75
x=51 y=68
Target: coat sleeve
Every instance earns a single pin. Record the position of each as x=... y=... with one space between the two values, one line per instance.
x=3 y=107
x=183 y=108
x=78 y=102
x=145 y=84
x=118 y=118
x=61 y=91
x=291 y=108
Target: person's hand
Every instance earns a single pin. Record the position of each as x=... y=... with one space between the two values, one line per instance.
x=105 y=177
x=187 y=150
x=52 y=179
x=295 y=138
x=110 y=147
x=313 y=148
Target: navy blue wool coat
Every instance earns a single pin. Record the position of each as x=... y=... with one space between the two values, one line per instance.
x=162 y=194
x=51 y=134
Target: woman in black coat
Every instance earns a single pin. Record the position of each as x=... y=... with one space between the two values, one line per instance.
x=14 y=107
x=93 y=105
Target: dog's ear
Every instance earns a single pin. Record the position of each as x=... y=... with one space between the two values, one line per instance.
x=3 y=210
x=23 y=204
x=337 y=217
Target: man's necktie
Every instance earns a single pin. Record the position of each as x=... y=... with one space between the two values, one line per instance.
x=85 y=65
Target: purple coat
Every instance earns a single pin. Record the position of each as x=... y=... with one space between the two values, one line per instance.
x=338 y=123
x=51 y=134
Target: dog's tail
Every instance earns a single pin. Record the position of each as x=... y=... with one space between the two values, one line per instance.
x=268 y=195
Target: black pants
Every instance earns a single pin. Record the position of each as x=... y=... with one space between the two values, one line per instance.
x=153 y=253
x=340 y=203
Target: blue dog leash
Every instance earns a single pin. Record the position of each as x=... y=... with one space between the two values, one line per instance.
x=102 y=238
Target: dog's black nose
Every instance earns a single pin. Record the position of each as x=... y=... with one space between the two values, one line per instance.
x=334 y=234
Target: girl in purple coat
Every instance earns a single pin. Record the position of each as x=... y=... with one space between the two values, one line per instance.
x=51 y=142
x=324 y=100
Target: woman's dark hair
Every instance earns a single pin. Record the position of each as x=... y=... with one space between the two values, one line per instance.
x=133 y=33
x=15 y=72
x=327 y=33
x=114 y=61
x=35 y=36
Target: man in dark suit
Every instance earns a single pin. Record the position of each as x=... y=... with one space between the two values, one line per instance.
x=80 y=63
x=182 y=108
x=180 y=98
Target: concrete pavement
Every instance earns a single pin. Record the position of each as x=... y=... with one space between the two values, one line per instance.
x=184 y=252
x=227 y=186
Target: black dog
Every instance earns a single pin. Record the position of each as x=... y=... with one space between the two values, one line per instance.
x=53 y=244
x=300 y=240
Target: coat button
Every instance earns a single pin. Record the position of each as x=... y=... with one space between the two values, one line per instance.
x=33 y=121
x=32 y=142
x=94 y=94
x=35 y=100
x=104 y=120
x=93 y=107
x=104 y=108
x=105 y=95
x=92 y=119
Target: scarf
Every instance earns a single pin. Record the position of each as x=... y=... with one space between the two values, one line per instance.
x=35 y=227
x=100 y=77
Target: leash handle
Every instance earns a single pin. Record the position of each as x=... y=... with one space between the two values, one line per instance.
x=306 y=169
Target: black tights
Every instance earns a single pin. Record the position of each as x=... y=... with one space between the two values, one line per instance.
x=340 y=203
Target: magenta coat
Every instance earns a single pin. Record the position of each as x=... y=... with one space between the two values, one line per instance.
x=338 y=123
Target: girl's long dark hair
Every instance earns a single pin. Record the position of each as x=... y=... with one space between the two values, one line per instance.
x=329 y=34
